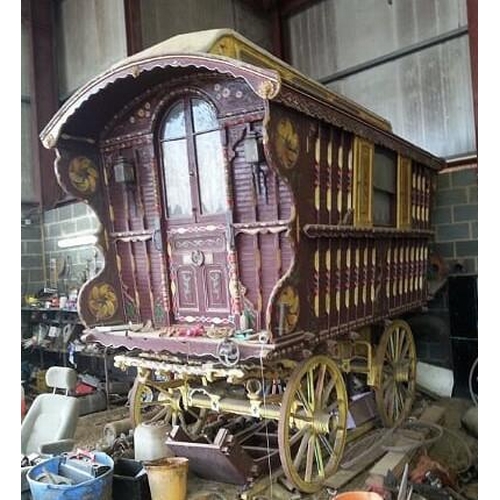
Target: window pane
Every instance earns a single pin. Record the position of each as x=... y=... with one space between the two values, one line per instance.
x=176 y=166
x=211 y=173
x=203 y=116
x=384 y=170
x=383 y=213
x=175 y=125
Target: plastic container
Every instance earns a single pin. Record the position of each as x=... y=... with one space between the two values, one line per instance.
x=168 y=478
x=130 y=480
x=86 y=486
x=150 y=441
x=358 y=495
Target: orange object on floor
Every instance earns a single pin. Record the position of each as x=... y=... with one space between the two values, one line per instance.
x=358 y=495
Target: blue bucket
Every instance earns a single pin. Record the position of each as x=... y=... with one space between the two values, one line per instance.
x=86 y=486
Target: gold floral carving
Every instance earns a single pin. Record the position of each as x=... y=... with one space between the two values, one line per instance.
x=83 y=174
x=287 y=144
x=103 y=301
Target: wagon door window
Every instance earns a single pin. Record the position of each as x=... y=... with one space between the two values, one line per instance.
x=384 y=187
x=208 y=158
x=193 y=160
x=176 y=165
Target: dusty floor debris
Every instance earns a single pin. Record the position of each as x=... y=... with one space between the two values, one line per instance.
x=455 y=450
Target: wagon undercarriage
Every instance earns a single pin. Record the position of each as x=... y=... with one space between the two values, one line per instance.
x=307 y=399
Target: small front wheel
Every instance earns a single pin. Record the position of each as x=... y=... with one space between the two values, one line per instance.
x=155 y=401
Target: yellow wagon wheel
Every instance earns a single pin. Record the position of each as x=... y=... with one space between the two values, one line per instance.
x=312 y=425
x=153 y=401
x=397 y=365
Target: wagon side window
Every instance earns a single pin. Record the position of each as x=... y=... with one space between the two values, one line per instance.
x=384 y=187
x=193 y=162
x=404 y=192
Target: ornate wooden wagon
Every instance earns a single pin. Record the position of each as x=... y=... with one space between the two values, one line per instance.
x=261 y=237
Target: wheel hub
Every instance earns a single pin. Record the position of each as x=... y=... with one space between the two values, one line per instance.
x=318 y=422
x=401 y=372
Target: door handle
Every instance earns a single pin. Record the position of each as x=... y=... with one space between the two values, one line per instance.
x=157 y=240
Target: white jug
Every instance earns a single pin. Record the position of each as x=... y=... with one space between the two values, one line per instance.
x=149 y=441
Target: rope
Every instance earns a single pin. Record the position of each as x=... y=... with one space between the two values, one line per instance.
x=417 y=443
x=267 y=426
x=472 y=394
x=203 y=495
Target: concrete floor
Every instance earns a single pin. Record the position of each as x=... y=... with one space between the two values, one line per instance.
x=448 y=450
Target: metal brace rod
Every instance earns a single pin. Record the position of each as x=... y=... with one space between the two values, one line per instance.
x=397 y=54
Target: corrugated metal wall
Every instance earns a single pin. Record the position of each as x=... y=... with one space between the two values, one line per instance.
x=90 y=37
x=426 y=95
x=91 y=33
x=162 y=19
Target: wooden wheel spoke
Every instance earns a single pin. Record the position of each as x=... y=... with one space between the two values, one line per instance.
x=182 y=420
x=299 y=434
x=319 y=458
x=320 y=382
x=388 y=369
x=387 y=383
x=400 y=390
x=389 y=398
x=328 y=390
x=326 y=444
x=300 y=452
x=401 y=341
x=406 y=349
x=391 y=352
x=310 y=458
x=160 y=415
x=305 y=402
x=310 y=389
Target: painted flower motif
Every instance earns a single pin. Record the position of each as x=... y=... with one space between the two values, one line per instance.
x=287 y=144
x=289 y=300
x=103 y=301
x=83 y=174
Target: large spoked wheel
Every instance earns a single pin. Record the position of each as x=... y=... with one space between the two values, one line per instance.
x=155 y=401
x=397 y=365
x=312 y=426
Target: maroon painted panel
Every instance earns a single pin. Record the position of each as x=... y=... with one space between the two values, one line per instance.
x=79 y=171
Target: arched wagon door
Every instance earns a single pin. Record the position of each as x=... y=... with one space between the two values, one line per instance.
x=195 y=211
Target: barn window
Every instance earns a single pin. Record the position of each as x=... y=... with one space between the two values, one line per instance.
x=192 y=160
x=384 y=187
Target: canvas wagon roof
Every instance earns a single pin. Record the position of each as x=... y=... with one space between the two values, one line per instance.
x=221 y=50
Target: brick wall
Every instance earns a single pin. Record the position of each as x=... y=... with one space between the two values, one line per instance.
x=66 y=222
x=455 y=218
x=32 y=277
x=39 y=236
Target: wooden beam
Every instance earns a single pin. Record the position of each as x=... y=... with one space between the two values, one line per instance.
x=289 y=7
x=277 y=33
x=44 y=95
x=133 y=26
x=394 y=461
